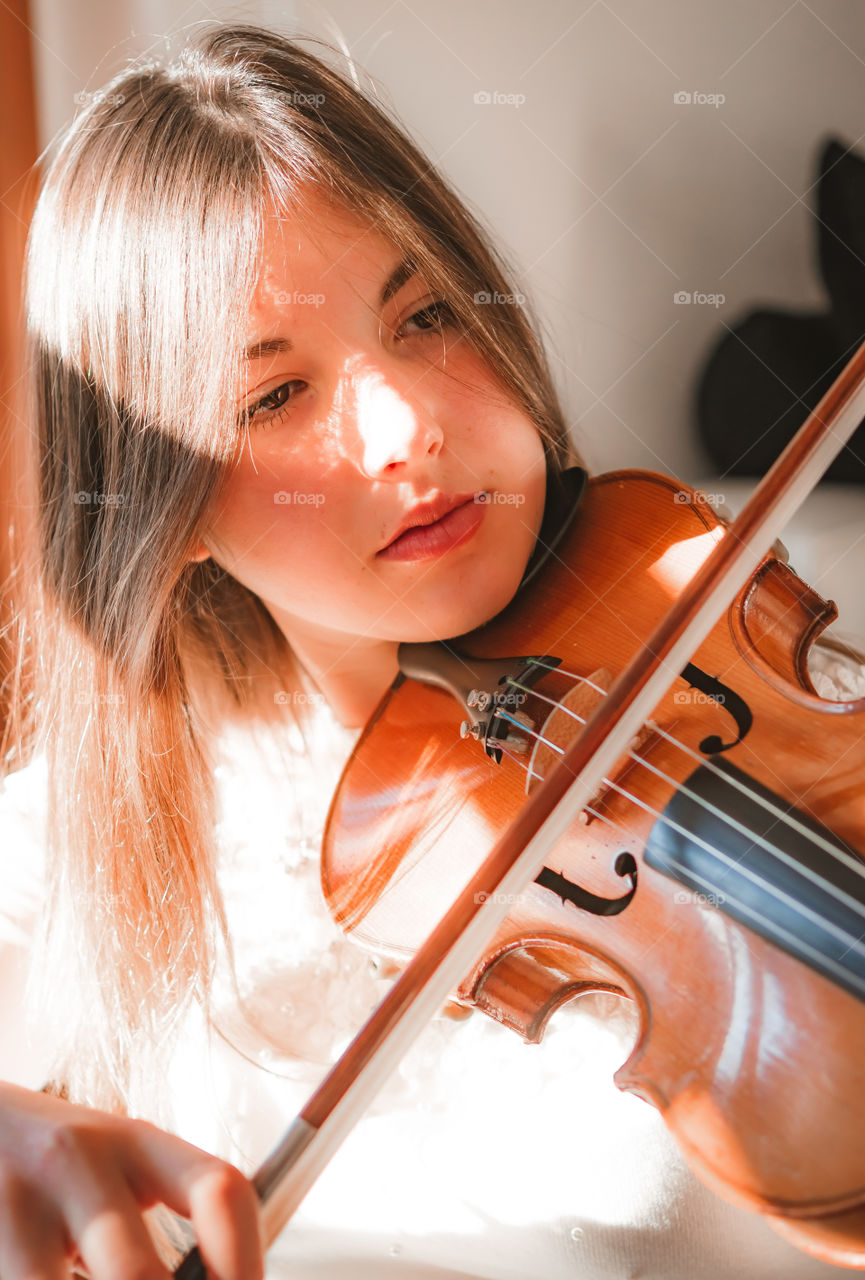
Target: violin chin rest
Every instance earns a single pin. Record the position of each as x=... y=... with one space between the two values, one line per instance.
x=839 y=1238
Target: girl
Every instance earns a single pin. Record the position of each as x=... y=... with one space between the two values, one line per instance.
x=276 y=371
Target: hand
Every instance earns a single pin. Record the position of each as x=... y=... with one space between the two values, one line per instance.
x=75 y=1182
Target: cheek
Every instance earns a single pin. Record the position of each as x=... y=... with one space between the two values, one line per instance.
x=529 y=451
x=499 y=434
x=273 y=531
x=520 y=465
x=280 y=477
x=245 y=507
x=257 y=515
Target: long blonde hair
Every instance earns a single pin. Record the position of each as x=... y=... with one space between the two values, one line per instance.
x=143 y=259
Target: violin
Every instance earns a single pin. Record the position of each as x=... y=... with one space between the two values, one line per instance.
x=715 y=877
x=627 y=782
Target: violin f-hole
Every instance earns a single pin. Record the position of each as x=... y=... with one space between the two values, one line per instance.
x=727 y=699
x=625 y=866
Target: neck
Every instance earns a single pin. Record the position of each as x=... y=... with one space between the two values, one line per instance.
x=353 y=679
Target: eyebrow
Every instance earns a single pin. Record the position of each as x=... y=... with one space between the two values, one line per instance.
x=403 y=271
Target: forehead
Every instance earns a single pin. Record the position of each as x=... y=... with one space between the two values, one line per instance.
x=319 y=244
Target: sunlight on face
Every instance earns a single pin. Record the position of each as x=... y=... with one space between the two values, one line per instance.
x=369 y=413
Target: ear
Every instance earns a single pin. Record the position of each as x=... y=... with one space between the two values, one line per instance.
x=200 y=553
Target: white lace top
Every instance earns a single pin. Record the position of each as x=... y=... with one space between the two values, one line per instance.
x=483 y=1157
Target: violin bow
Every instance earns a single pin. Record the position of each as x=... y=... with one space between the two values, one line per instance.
x=288 y=1173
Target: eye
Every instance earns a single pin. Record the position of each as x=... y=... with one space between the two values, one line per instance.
x=433 y=318
x=274 y=406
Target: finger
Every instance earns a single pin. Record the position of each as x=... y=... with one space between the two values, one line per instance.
x=33 y=1241
x=220 y=1201
x=225 y=1215
x=105 y=1221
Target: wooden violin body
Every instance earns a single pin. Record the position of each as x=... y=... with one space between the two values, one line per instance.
x=741 y=943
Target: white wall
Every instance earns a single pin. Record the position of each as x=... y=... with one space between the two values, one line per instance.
x=606 y=193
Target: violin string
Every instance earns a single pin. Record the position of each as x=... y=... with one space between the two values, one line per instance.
x=852 y=863
x=852 y=943
x=795 y=941
x=788 y=819
x=807 y=872
x=596 y=813
x=773 y=850
x=723 y=857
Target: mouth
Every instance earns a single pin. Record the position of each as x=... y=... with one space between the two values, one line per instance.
x=432 y=528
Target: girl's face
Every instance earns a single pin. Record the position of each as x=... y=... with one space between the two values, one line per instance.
x=370 y=416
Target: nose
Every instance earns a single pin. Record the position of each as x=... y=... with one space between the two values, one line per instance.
x=396 y=428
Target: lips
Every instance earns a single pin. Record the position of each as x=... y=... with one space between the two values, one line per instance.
x=431 y=528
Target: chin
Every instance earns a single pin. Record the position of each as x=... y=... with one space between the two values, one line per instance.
x=461 y=610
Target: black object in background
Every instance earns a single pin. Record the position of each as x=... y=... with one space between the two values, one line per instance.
x=770 y=369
